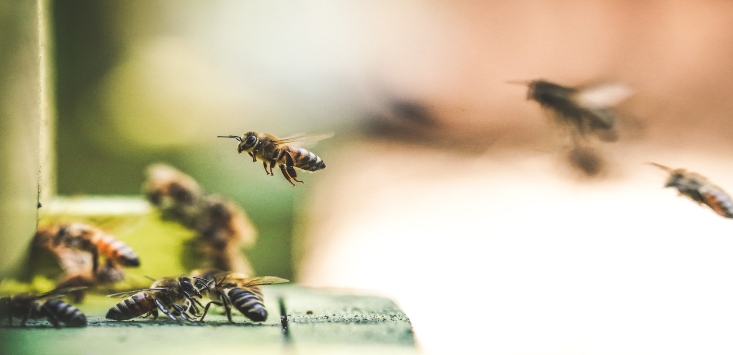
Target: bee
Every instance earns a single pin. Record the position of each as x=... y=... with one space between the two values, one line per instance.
x=273 y=151
x=93 y=240
x=699 y=189
x=31 y=306
x=173 y=296
x=174 y=193
x=221 y=225
x=586 y=108
x=238 y=291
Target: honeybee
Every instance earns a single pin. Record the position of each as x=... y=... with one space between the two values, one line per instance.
x=238 y=291
x=174 y=193
x=221 y=225
x=586 y=108
x=273 y=150
x=31 y=306
x=173 y=296
x=699 y=189
x=93 y=240
x=79 y=257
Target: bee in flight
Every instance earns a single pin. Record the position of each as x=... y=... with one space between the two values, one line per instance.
x=275 y=151
x=46 y=305
x=238 y=291
x=173 y=296
x=586 y=108
x=699 y=189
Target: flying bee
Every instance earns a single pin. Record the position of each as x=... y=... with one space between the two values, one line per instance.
x=238 y=291
x=173 y=296
x=221 y=225
x=273 y=151
x=699 y=189
x=174 y=193
x=94 y=240
x=31 y=306
x=586 y=108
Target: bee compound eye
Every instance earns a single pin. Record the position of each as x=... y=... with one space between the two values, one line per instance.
x=250 y=140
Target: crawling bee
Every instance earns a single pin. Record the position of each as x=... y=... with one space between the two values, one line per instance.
x=93 y=240
x=173 y=296
x=273 y=150
x=31 y=306
x=236 y=290
x=587 y=108
x=699 y=189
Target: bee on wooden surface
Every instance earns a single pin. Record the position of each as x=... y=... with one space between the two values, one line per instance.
x=238 y=291
x=699 y=189
x=586 y=108
x=38 y=306
x=275 y=151
x=173 y=296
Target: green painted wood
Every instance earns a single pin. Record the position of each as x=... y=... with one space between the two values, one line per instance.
x=319 y=321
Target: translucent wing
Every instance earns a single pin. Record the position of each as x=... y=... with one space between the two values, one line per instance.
x=602 y=95
x=58 y=292
x=130 y=293
x=262 y=280
x=304 y=140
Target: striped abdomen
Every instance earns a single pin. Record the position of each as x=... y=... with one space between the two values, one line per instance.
x=63 y=313
x=134 y=306
x=249 y=302
x=306 y=160
x=718 y=200
x=115 y=249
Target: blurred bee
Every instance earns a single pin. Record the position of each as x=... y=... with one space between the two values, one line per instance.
x=93 y=240
x=31 y=306
x=699 y=189
x=238 y=291
x=78 y=264
x=174 y=193
x=221 y=225
x=273 y=151
x=173 y=296
x=586 y=108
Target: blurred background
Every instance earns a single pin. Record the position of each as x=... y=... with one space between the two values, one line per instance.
x=445 y=189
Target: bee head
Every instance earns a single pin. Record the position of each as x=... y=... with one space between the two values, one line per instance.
x=188 y=287
x=248 y=141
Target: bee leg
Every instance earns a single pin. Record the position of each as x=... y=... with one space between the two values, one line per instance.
x=154 y=313
x=182 y=312
x=206 y=309
x=253 y=156
x=228 y=308
x=164 y=310
x=285 y=174
x=272 y=165
x=264 y=165
x=290 y=164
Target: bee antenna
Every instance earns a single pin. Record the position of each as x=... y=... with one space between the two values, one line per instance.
x=665 y=168
x=235 y=137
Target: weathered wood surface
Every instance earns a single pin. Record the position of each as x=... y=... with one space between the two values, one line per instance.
x=340 y=322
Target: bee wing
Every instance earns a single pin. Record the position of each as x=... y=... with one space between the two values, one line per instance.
x=74 y=261
x=304 y=140
x=262 y=280
x=130 y=293
x=602 y=95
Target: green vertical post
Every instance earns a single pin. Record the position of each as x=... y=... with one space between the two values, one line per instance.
x=26 y=122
